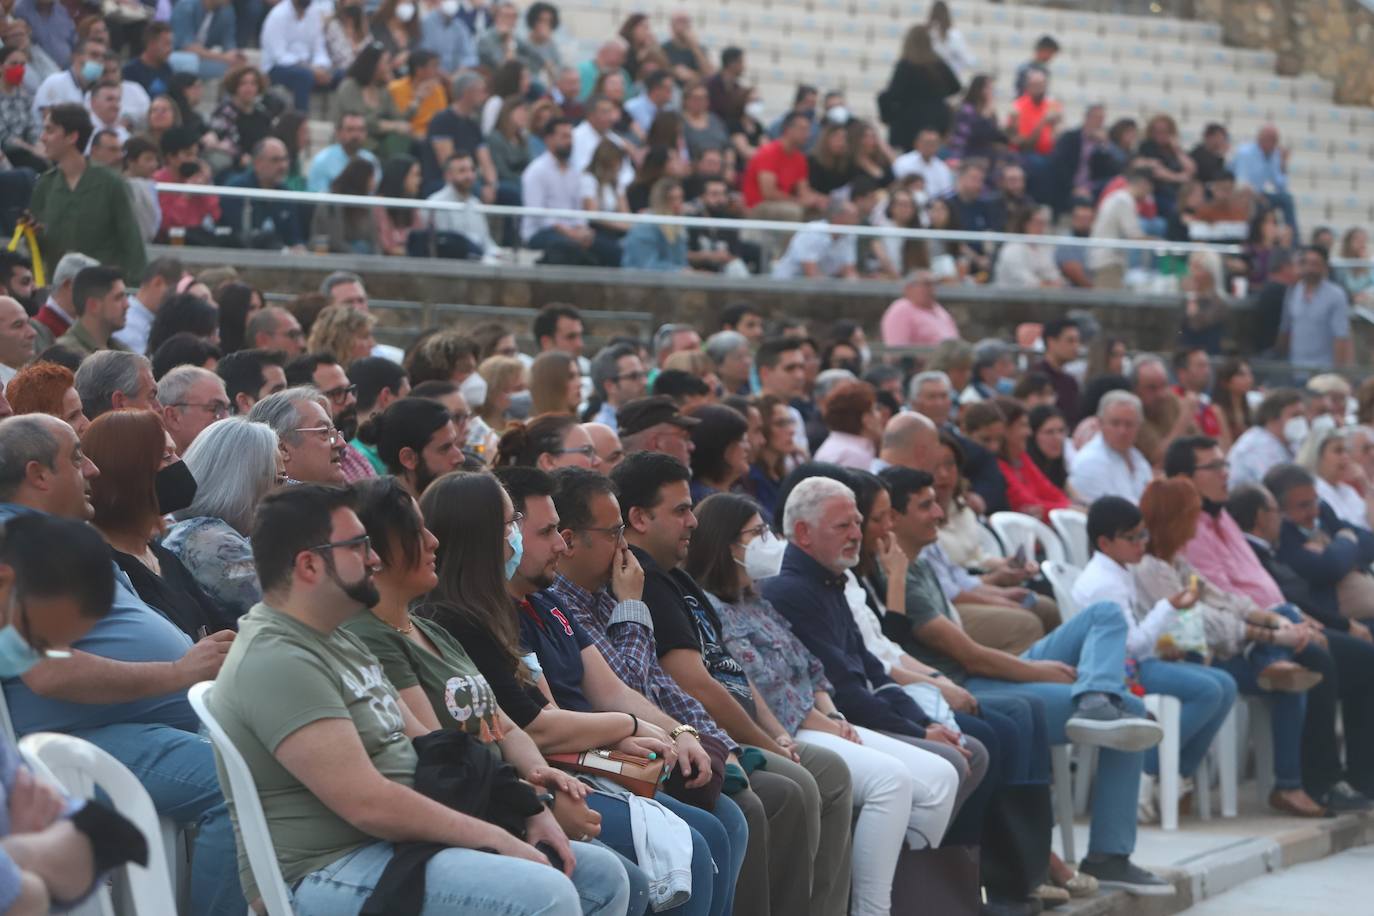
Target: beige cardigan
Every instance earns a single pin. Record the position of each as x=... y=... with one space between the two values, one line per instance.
x=1224 y=613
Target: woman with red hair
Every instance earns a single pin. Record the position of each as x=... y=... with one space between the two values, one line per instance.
x=47 y=388
x=854 y=425
x=141 y=480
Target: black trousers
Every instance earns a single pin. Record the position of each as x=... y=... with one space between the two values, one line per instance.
x=1347 y=666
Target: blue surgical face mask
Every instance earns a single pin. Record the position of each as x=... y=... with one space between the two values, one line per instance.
x=1005 y=386
x=516 y=540
x=16 y=655
x=91 y=71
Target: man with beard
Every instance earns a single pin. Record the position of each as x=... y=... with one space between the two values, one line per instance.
x=1072 y=259
x=460 y=233
x=552 y=181
x=713 y=247
x=325 y=373
x=310 y=443
x=418 y=440
x=16 y=280
x=299 y=685
x=350 y=133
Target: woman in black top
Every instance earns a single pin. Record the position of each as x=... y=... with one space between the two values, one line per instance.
x=141 y=480
x=831 y=163
x=915 y=96
x=1046 y=444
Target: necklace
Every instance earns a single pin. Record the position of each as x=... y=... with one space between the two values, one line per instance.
x=405 y=630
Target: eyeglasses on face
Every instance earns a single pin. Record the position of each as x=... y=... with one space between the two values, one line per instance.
x=615 y=531
x=340 y=394
x=217 y=409
x=515 y=520
x=362 y=543
x=588 y=450
x=330 y=433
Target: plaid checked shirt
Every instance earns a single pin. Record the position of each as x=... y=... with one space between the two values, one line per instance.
x=624 y=634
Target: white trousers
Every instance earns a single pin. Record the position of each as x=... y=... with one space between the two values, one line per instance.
x=902 y=792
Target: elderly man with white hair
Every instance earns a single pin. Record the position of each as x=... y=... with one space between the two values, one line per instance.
x=115 y=380
x=733 y=358
x=192 y=398
x=1110 y=464
x=312 y=446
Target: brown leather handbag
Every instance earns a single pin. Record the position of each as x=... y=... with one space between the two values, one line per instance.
x=640 y=775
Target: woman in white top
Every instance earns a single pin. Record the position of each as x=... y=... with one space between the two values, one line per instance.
x=601 y=192
x=1026 y=264
x=949 y=43
x=1327 y=455
x=1116 y=530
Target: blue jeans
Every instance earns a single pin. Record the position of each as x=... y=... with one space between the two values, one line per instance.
x=1025 y=748
x=1287 y=710
x=178 y=769
x=471 y=882
x=1206 y=694
x=616 y=833
x=300 y=80
x=1094 y=641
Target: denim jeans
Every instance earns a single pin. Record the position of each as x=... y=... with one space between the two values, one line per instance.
x=1207 y=695
x=178 y=769
x=1093 y=641
x=471 y=882
x=1286 y=710
x=616 y=834
x=300 y=80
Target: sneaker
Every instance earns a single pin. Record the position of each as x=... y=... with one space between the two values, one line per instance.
x=1343 y=799
x=1108 y=725
x=1120 y=873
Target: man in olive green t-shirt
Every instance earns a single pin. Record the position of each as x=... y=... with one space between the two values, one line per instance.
x=328 y=742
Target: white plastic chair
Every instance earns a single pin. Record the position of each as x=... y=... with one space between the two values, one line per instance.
x=1016 y=529
x=1063 y=797
x=1072 y=528
x=80 y=768
x=253 y=833
x=1061 y=577
x=1167 y=711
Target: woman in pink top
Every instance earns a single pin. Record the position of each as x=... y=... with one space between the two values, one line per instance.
x=851 y=415
x=917 y=320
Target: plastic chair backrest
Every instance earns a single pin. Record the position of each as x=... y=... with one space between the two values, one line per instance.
x=988 y=540
x=80 y=768
x=5 y=721
x=1017 y=529
x=1061 y=577
x=243 y=794
x=1072 y=528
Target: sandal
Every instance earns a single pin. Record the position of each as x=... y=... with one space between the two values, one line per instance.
x=1080 y=885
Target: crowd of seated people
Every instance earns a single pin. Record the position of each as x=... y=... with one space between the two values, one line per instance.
x=748 y=552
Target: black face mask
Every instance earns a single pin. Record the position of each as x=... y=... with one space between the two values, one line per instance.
x=176 y=488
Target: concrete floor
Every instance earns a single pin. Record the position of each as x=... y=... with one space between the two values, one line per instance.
x=1336 y=885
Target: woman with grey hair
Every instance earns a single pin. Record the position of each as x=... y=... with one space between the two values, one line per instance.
x=1328 y=455
x=235 y=463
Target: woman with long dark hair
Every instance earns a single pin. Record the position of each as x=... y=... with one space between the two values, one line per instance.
x=477 y=529
x=364 y=92
x=395 y=225
x=778 y=455
x=899 y=790
x=238 y=302
x=1234 y=380
x=1047 y=445
x=350 y=229
x=914 y=99
x=720 y=450
x=1028 y=490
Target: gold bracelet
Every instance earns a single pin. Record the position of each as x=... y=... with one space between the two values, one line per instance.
x=683 y=730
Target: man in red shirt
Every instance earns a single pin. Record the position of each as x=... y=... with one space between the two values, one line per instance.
x=1193 y=370
x=775 y=182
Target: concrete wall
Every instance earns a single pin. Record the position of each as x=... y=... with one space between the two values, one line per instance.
x=1151 y=322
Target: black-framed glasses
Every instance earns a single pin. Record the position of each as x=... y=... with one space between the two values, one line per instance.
x=758 y=531
x=515 y=520
x=615 y=531
x=588 y=450
x=1138 y=537
x=217 y=409
x=340 y=394
x=364 y=541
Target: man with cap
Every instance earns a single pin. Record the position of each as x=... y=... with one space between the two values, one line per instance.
x=654 y=424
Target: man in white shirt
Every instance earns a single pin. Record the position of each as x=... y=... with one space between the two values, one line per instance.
x=1266 y=444
x=1110 y=464
x=815 y=252
x=293 y=49
x=552 y=181
x=602 y=116
x=16 y=339
x=925 y=161
x=104 y=109
x=157 y=283
x=465 y=233
x=70 y=85
x=1117 y=218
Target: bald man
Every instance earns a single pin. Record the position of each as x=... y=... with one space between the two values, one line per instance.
x=609 y=451
x=909 y=441
x=16 y=338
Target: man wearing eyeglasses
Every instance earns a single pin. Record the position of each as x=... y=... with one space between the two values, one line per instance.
x=618 y=377
x=274 y=328
x=192 y=398
x=327 y=375
x=311 y=445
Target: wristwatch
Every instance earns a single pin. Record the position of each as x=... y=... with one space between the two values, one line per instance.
x=683 y=730
x=547 y=799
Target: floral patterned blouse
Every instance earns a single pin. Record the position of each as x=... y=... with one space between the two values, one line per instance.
x=782 y=669
x=16 y=117
x=220 y=559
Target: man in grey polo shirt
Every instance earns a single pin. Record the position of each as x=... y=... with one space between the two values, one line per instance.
x=1315 y=330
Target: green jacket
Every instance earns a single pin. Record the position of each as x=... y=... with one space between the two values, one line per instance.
x=95 y=218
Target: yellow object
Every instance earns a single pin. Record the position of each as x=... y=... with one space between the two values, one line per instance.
x=25 y=231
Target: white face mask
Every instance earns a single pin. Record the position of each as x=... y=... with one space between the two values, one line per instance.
x=450 y=8
x=1295 y=431
x=474 y=391
x=763 y=556
x=754 y=110
x=405 y=11
x=837 y=115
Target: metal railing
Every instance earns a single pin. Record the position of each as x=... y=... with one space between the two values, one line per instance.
x=1156 y=246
